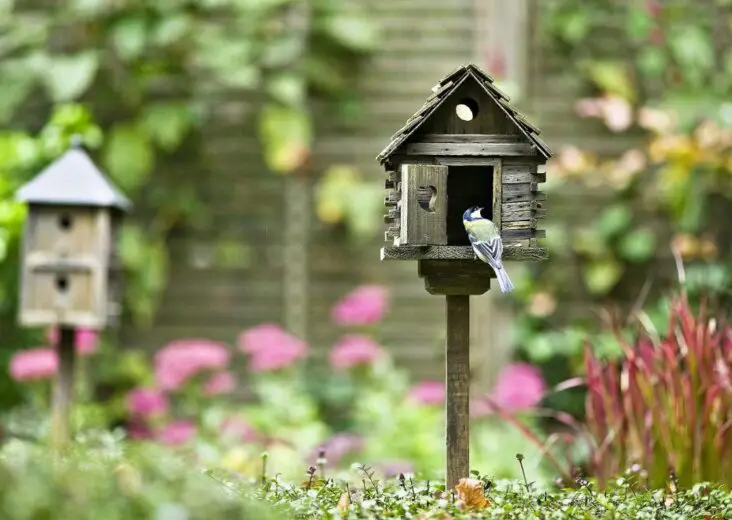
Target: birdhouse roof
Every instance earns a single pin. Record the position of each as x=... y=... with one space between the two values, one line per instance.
x=73 y=179
x=444 y=89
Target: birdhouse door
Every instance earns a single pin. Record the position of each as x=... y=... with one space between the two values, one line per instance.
x=424 y=205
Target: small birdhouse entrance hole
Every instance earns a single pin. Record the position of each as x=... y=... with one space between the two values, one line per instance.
x=62 y=283
x=427 y=197
x=467 y=109
x=65 y=221
x=467 y=186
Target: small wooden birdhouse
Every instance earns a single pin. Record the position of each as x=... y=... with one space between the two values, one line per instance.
x=71 y=273
x=465 y=147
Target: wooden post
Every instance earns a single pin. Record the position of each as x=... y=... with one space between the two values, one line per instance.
x=63 y=391
x=457 y=385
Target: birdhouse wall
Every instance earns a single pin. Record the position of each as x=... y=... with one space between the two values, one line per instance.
x=66 y=253
x=522 y=202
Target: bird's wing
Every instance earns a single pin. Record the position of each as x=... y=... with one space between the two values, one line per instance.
x=491 y=249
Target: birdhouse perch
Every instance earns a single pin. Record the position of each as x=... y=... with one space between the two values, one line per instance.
x=466 y=147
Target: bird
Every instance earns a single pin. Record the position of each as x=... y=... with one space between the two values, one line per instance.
x=487 y=245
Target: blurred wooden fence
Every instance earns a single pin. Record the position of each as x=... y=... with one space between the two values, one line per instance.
x=236 y=277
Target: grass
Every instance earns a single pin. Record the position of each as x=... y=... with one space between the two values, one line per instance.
x=106 y=478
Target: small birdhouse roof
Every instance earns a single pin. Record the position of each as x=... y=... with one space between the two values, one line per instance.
x=73 y=180
x=445 y=89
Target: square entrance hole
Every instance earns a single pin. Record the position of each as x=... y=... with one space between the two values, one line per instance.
x=467 y=186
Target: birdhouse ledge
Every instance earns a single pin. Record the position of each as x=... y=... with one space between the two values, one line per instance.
x=458 y=253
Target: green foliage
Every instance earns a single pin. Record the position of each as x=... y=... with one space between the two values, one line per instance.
x=101 y=478
x=104 y=477
x=145 y=72
x=664 y=82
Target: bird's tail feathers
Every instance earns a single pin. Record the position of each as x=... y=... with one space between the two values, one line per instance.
x=503 y=280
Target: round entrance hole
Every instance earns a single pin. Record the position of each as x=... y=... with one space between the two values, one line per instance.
x=62 y=283
x=65 y=221
x=467 y=109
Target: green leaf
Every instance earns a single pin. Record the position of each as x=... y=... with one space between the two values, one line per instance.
x=282 y=52
x=652 y=61
x=171 y=29
x=15 y=85
x=638 y=23
x=638 y=245
x=288 y=89
x=286 y=135
x=129 y=36
x=613 y=221
x=612 y=77
x=694 y=51
x=601 y=276
x=353 y=31
x=167 y=124
x=129 y=157
x=68 y=77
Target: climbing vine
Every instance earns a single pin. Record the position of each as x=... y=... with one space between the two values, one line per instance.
x=148 y=71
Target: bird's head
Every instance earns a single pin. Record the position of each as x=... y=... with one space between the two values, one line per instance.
x=473 y=214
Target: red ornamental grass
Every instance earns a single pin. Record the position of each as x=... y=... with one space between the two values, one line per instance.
x=667 y=406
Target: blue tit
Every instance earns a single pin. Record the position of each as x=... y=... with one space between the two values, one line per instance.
x=486 y=241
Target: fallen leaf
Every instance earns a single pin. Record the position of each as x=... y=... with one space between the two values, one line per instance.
x=471 y=495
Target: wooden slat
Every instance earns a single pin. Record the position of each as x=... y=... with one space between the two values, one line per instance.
x=496 y=150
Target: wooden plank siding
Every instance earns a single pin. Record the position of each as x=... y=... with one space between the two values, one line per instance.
x=216 y=294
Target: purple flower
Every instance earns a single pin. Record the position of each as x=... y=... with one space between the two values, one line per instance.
x=392 y=468
x=338 y=446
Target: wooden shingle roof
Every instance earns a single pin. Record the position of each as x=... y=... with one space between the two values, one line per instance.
x=444 y=89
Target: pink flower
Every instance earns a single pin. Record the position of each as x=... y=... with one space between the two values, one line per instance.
x=220 y=383
x=279 y=358
x=239 y=429
x=177 y=433
x=428 y=393
x=147 y=402
x=353 y=350
x=34 y=364
x=139 y=430
x=363 y=306
x=520 y=386
x=86 y=341
x=178 y=361
x=261 y=337
x=271 y=348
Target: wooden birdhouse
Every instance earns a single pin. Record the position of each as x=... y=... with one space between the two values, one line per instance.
x=467 y=146
x=71 y=273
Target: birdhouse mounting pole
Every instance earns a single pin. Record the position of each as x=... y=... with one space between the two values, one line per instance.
x=457 y=386
x=63 y=391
